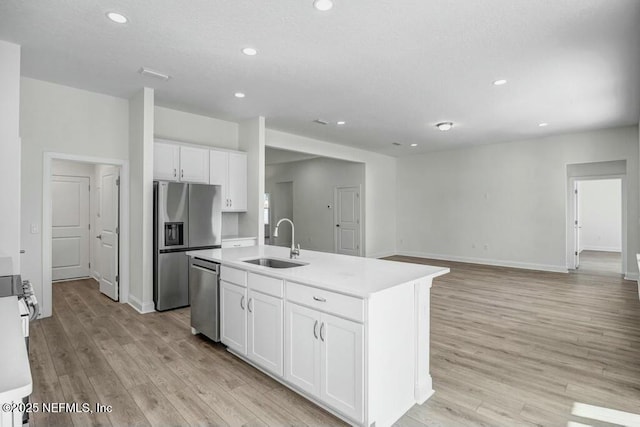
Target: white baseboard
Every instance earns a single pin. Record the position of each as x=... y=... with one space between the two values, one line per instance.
x=601 y=249
x=140 y=307
x=383 y=254
x=485 y=261
x=631 y=276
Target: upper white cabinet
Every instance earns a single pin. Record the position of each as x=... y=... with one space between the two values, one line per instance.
x=173 y=162
x=229 y=169
x=194 y=165
x=166 y=161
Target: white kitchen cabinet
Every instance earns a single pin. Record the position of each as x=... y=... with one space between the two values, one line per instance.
x=194 y=165
x=237 y=181
x=302 y=348
x=229 y=169
x=265 y=319
x=342 y=369
x=233 y=316
x=166 y=161
x=174 y=162
x=324 y=357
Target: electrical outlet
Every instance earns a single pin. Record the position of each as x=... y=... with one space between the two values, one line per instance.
x=35 y=229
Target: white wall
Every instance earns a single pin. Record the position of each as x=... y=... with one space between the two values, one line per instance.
x=10 y=154
x=380 y=185
x=314 y=182
x=203 y=130
x=141 y=120
x=600 y=215
x=510 y=197
x=55 y=118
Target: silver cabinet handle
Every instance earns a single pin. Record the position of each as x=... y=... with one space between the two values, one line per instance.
x=322 y=330
x=22 y=251
x=319 y=299
x=249 y=305
x=242 y=302
x=175 y=172
x=181 y=173
x=230 y=202
x=315 y=329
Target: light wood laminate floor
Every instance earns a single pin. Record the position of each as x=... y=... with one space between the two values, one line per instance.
x=598 y=262
x=509 y=348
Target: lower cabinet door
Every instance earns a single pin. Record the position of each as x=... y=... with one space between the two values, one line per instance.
x=266 y=326
x=342 y=366
x=302 y=348
x=233 y=316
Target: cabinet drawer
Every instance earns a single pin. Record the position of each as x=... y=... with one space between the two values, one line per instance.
x=238 y=243
x=233 y=275
x=266 y=285
x=331 y=302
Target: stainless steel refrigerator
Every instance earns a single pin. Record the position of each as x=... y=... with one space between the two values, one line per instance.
x=185 y=217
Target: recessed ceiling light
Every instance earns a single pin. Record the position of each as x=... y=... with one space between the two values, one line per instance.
x=543 y=124
x=239 y=95
x=444 y=126
x=323 y=5
x=118 y=18
x=414 y=145
x=249 y=51
x=341 y=122
x=499 y=82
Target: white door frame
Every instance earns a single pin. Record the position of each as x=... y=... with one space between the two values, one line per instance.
x=46 y=305
x=335 y=216
x=571 y=238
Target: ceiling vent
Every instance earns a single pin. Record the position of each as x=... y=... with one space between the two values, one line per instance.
x=321 y=122
x=147 y=72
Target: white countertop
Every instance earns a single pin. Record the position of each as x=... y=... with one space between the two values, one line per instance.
x=349 y=275
x=15 y=373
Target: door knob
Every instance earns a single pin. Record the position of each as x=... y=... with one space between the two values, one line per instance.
x=337 y=225
x=99 y=236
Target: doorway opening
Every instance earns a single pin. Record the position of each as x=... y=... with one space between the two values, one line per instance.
x=85 y=199
x=598 y=225
x=323 y=196
x=85 y=217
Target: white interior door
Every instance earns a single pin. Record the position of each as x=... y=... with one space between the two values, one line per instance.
x=70 y=227
x=108 y=231
x=576 y=222
x=347 y=220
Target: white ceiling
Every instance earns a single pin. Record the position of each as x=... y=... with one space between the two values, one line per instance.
x=390 y=68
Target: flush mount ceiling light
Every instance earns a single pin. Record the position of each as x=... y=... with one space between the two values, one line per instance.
x=341 y=122
x=249 y=51
x=444 y=126
x=118 y=18
x=321 y=122
x=239 y=95
x=414 y=145
x=543 y=124
x=499 y=82
x=147 y=72
x=323 y=5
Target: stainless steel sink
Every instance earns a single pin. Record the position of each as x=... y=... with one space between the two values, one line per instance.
x=275 y=263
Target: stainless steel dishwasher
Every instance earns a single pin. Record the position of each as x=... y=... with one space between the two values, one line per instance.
x=204 y=297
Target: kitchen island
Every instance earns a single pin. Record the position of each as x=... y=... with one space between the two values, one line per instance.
x=349 y=333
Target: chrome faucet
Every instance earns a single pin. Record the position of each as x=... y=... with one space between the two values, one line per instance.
x=295 y=251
